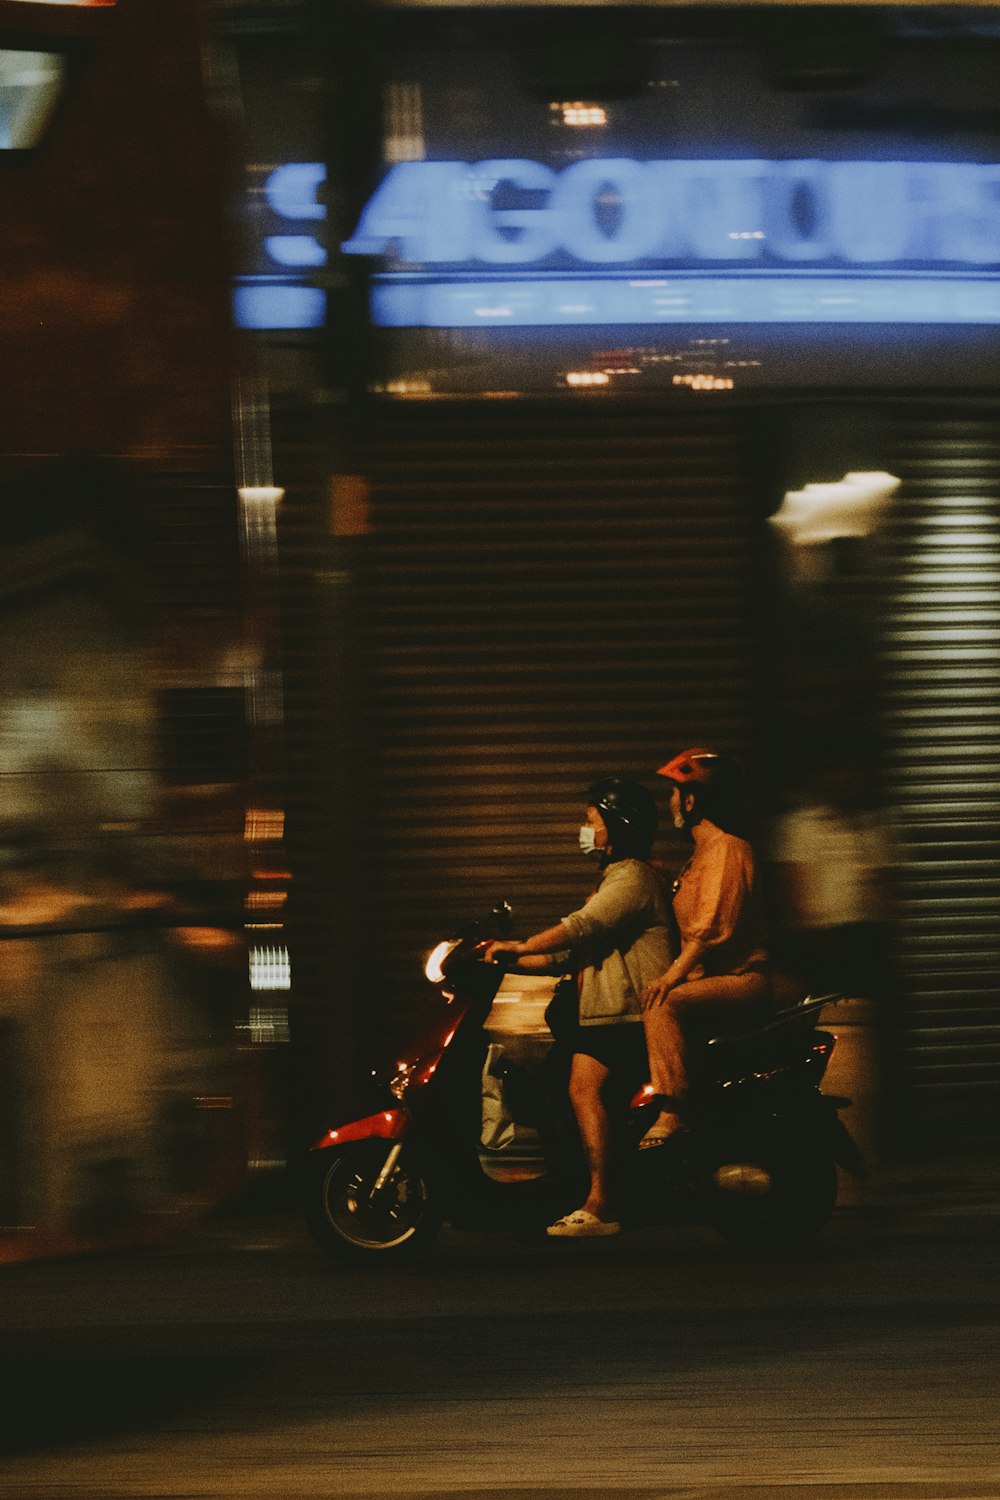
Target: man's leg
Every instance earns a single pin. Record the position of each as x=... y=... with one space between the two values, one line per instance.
x=586 y=1091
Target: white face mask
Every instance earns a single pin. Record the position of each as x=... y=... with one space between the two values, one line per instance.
x=588 y=840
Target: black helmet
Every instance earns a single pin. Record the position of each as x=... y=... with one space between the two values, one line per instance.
x=629 y=811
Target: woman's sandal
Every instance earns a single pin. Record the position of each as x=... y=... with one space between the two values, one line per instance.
x=658 y=1135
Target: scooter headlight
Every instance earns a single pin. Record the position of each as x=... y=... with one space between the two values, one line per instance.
x=435 y=961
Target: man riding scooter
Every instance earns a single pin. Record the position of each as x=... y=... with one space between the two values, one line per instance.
x=617 y=944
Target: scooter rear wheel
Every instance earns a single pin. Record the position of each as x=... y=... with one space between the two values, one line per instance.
x=772 y=1200
x=353 y=1218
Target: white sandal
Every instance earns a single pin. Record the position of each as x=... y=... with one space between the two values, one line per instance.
x=582 y=1224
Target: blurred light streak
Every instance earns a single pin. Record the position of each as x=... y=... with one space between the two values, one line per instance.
x=267 y=1024
x=258 y=519
x=208 y=937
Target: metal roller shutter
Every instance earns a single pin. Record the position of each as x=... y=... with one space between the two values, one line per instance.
x=551 y=594
x=942 y=702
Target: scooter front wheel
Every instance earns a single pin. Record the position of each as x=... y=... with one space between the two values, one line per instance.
x=366 y=1200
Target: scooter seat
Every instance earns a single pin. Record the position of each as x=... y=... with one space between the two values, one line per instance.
x=790 y=1015
x=775 y=1040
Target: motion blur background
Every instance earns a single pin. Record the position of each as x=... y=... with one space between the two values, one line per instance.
x=339 y=558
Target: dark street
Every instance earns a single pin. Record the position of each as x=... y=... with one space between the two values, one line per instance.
x=237 y=1362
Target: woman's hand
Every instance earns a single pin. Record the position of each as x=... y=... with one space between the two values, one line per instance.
x=657 y=991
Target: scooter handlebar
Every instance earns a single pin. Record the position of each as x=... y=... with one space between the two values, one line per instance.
x=504 y=959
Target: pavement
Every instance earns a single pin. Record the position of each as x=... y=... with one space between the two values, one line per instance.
x=236 y=1363
x=953 y=1190
x=952 y=1180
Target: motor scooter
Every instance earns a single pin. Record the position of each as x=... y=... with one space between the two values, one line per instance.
x=758 y=1160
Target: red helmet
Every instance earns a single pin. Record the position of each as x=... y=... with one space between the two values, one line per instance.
x=698 y=765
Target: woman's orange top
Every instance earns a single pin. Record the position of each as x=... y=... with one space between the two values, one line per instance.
x=717 y=900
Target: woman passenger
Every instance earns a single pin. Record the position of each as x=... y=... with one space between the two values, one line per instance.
x=720 y=974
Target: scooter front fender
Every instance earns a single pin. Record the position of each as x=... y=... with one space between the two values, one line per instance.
x=387 y=1125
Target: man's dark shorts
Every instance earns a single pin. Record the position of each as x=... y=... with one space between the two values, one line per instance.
x=620 y=1047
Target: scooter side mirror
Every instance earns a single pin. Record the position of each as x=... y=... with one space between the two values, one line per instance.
x=503 y=919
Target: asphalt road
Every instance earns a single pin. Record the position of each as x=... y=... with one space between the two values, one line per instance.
x=236 y=1362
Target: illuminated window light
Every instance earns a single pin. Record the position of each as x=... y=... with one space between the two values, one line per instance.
x=266 y=1023
x=705 y=382
x=261 y=494
x=262 y=824
x=266 y=900
x=587 y=377
x=270 y=969
x=408 y=388
x=579 y=114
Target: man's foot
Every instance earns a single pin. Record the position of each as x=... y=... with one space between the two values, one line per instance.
x=582 y=1224
x=662 y=1129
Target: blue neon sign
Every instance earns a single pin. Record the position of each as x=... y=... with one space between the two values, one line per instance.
x=514 y=243
x=626 y=212
x=517 y=243
x=685 y=298
x=281 y=296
